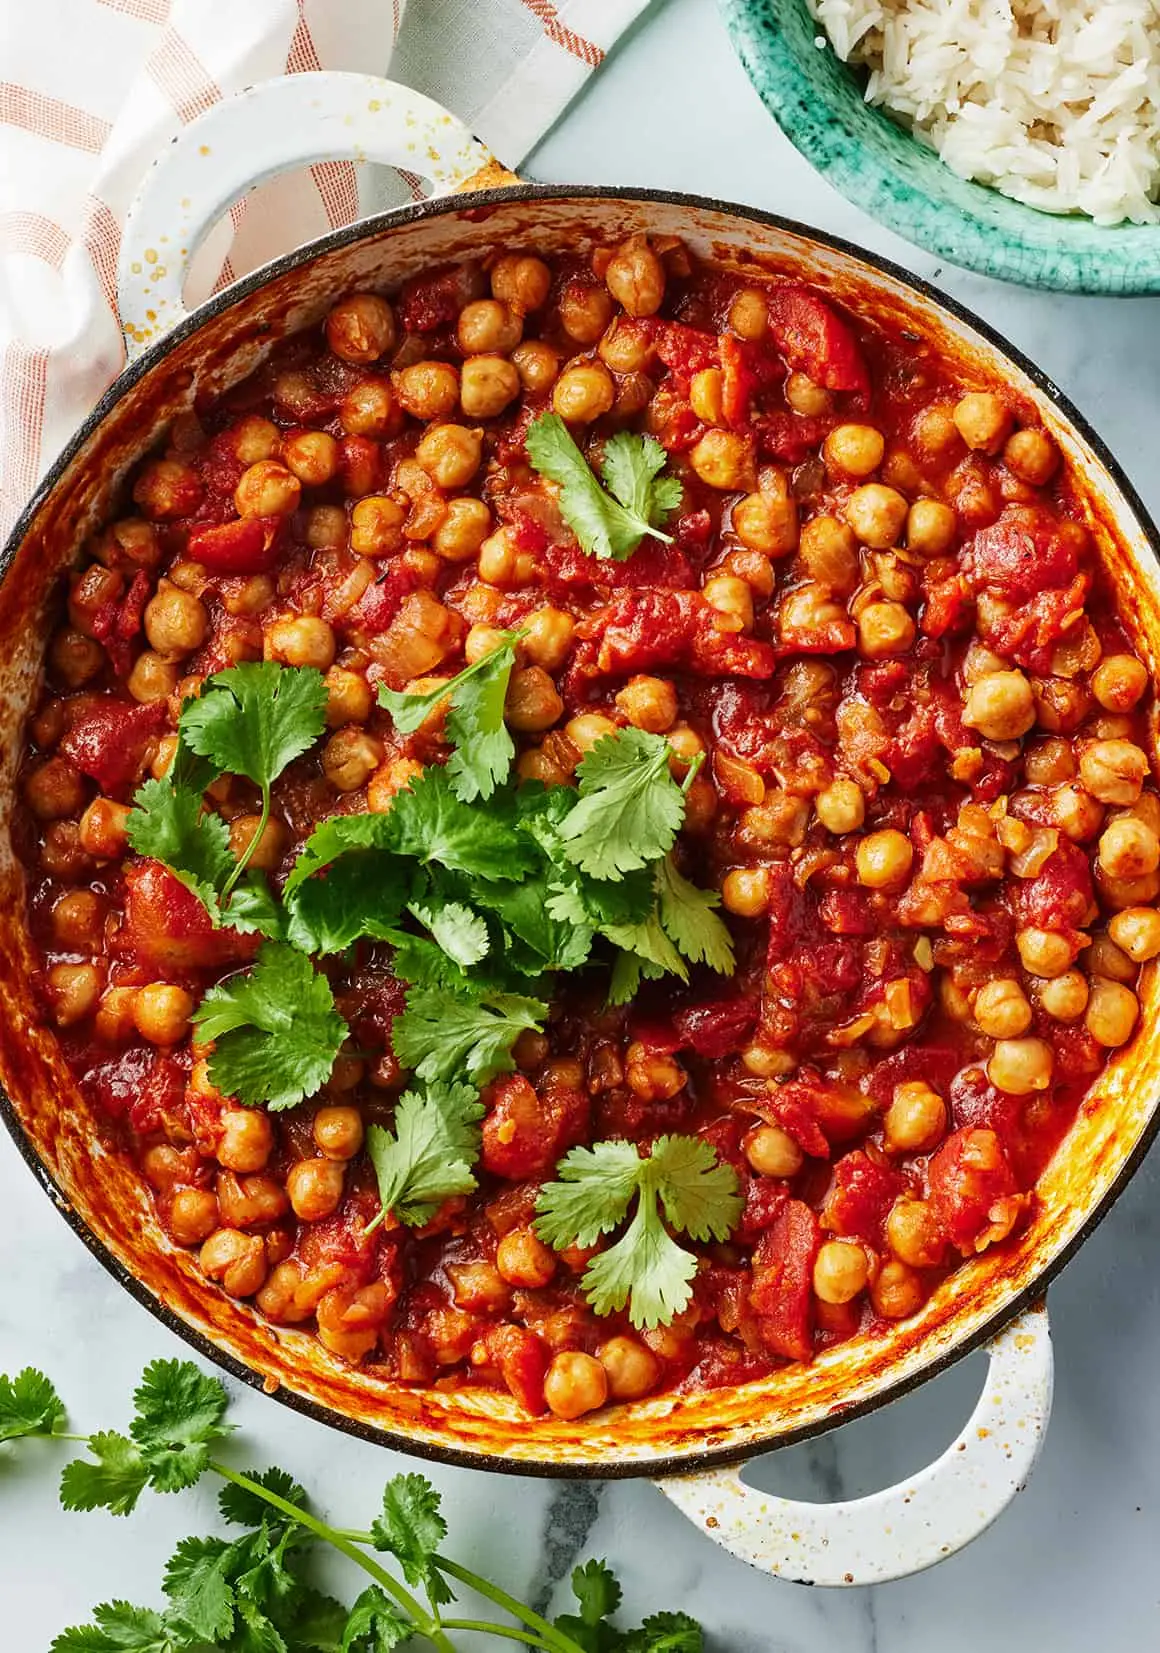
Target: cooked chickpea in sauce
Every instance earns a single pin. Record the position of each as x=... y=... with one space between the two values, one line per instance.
x=912 y=725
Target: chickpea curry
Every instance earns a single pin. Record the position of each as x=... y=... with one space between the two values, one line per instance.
x=590 y=825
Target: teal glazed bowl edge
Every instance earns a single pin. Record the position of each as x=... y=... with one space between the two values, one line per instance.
x=901 y=183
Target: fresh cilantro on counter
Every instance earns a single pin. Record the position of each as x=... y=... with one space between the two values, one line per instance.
x=482 y=748
x=253 y=1591
x=430 y=1156
x=645 y=1268
x=632 y=505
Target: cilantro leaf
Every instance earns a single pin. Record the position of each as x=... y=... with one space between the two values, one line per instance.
x=255 y=1631
x=197 y=1582
x=687 y=918
x=429 y=823
x=118 y=1627
x=411 y=1529
x=256 y=718
x=114 y=1481
x=319 y=1623
x=179 y=1411
x=253 y=909
x=360 y=894
x=245 y=1509
x=646 y=1268
x=374 y=1624
x=650 y=945
x=463 y=1038
x=421 y=963
x=430 y=1156
x=483 y=748
x=29 y=1405
x=605 y=526
x=666 y=1633
x=461 y=933
x=333 y=837
x=527 y=913
x=170 y=823
x=276 y=1029
x=595 y=1588
x=630 y=808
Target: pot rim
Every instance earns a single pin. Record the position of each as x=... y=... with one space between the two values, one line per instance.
x=395 y=1439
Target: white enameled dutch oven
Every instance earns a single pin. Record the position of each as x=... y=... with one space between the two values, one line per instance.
x=694 y=1444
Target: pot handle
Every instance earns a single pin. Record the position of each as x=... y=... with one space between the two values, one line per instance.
x=272 y=127
x=903 y=1528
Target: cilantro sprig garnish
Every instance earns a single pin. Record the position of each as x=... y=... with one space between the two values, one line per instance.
x=634 y=502
x=430 y=1154
x=482 y=748
x=645 y=1269
x=249 y=1588
x=630 y=807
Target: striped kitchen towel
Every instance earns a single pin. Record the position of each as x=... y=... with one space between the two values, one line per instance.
x=90 y=90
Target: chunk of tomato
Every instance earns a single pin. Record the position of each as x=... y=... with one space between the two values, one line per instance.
x=781 y=1294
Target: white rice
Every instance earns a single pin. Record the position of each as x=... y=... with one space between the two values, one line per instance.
x=1055 y=102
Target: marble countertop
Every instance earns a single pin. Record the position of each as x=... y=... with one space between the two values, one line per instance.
x=1073 y=1564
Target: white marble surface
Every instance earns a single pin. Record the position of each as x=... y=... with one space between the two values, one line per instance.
x=1074 y=1564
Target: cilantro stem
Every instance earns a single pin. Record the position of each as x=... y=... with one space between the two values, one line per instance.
x=692 y=772
x=552 y=1638
x=425 y=1623
x=486 y=1628
x=244 y=859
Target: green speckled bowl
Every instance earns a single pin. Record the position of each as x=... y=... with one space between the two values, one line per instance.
x=817 y=101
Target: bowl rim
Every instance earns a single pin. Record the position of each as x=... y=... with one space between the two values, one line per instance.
x=709 y=1457
x=1126 y=267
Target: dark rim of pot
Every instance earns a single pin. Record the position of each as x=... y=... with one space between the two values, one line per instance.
x=709 y=1457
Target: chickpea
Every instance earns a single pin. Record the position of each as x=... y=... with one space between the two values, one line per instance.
x=338 y=1132
x=102 y=830
x=705 y=395
x=1002 y=1010
x=1128 y=849
x=584 y=393
x=326 y=527
x=73 y=991
x=74 y=657
x=521 y=281
x=152 y=679
x=368 y=409
x=315 y=1188
x=524 y=1260
x=913 y=1234
x=255 y=438
x=1137 y=931
x=636 y=277
x=883 y=859
x=376 y=525
x=982 y=421
x=1021 y=1066
x=841 y=1270
x=1044 y=953
x=1048 y=762
x=876 y=513
x=548 y=638
x=916 y=1120
x=237 y=1260
x=488 y=325
x=427 y=390
x=247 y=1140
x=303 y=641
x=896 y=1291
x=631 y=1367
x=1111 y=1013
x=649 y=703
x=854 y=450
x=1064 y=997
x=841 y=806
x=54 y=790
x=807 y=398
x=585 y=311
x=465 y=526
x=585 y=730
x=772 y=1152
x=267 y=489
x=78 y=920
x=747 y=891
x=361 y=328
x=450 y=454
x=193 y=1215
x=724 y=459
x=350 y=757
x=884 y=630
x=754 y=567
x=1061 y=704
x=175 y=622
x=501 y=563
x=482 y=641
x=1076 y=813
x=1113 y=770
x=749 y=313
x=767 y=521
x=1000 y=706
x=1032 y=456
x=1105 y=958
x=267 y=853
x=766 y=1062
x=348 y=697
x=167 y=489
x=935 y=433
x=829 y=553
x=576 y=1383
x=651 y=1076
x=930 y=528
x=729 y=595
x=537 y=365
x=1119 y=681
x=533 y=702
x=161 y=1013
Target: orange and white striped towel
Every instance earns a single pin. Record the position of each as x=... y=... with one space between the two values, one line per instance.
x=91 y=90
